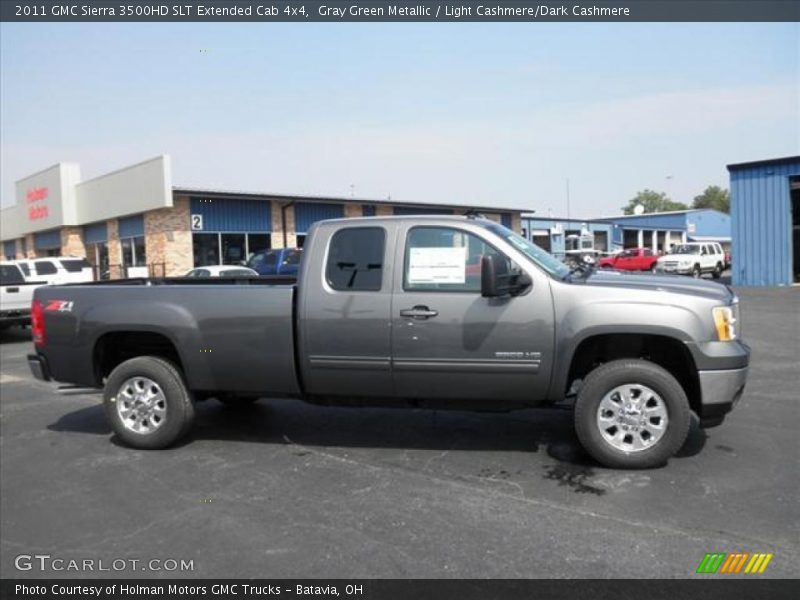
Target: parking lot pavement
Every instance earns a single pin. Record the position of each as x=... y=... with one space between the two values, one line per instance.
x=290 y=490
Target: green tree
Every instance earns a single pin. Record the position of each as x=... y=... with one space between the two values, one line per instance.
x=652 y=202
x=714 y=197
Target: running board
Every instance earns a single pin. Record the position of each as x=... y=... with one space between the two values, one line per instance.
x=74 y=390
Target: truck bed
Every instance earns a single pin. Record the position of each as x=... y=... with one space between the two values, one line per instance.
x=231 y=334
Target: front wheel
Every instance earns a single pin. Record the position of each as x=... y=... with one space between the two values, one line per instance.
x=147 y=403
x=696 y=273
x=631 y=414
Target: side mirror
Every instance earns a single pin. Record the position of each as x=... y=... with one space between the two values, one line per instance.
x=497 y=280
x=494 y=276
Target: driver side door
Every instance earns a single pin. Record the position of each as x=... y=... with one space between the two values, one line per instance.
x=450 y=342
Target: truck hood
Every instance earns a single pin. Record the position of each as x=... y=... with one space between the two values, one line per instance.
x=674 y=284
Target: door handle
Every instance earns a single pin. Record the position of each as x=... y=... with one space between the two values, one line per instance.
x=419 y=312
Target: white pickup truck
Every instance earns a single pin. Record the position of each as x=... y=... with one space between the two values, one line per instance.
x=16 y=295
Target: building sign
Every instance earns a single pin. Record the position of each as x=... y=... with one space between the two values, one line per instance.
x=36 y=198
x=197 y=222
x=691 y=227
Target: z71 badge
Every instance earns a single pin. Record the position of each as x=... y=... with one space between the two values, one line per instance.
x=59 y=305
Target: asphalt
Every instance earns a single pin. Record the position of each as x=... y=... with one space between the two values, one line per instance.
x=290 y=490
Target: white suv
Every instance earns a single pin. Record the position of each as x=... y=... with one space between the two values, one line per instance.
x=694 y=259
x=57 y=269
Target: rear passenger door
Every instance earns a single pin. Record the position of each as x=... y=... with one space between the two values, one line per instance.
x=344 y=314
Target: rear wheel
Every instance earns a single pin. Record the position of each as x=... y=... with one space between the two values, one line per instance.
x=147 y=403
x=631 y=414
x=717 y=273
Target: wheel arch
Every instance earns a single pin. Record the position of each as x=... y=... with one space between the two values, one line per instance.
x=662 y=348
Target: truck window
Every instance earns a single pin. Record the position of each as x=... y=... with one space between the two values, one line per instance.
x=444 y=259
x=75 y=265
x=355 y=259
x=25 y=269
x=45 y=268
x=10 y=275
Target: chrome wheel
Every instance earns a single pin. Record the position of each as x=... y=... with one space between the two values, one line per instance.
x=632 y=418
x=141 y=405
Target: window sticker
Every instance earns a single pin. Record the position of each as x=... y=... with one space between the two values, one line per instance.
x=437 y=265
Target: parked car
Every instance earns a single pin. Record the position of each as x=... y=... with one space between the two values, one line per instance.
x=284 y=261
x=384 y=313
x=633 y=259
x=221 y=271
x=57 y=269
x=16 y=296
x=694 y=259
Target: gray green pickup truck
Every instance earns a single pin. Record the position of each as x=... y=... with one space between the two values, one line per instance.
x=432 y=312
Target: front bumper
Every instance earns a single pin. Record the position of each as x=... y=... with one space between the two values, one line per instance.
x=38 y=367
x=722 y=372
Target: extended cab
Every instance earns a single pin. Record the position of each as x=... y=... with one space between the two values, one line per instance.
x=633 y=259
x=386 y=312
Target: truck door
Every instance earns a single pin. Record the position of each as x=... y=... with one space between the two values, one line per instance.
x=450 y=342
x=344 y=321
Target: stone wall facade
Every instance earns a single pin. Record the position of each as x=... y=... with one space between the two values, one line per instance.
x=168 y=239
x=277 y=226
x=383 y=210
x=353 y=210
x=72 y=242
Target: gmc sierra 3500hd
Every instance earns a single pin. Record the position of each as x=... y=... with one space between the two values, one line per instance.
x=437 y=312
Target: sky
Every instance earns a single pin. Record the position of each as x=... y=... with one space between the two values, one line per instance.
x=490 y=114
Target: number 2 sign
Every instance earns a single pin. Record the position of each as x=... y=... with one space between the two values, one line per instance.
x=197 y=222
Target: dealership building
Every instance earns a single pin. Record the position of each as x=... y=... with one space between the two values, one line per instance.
x=657 y=231
x=135 y=222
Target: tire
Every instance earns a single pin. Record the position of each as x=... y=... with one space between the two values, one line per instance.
x=696 y=272
x=237 y=402
x=593 y=426
x=131 y=385
x=654 y=269
x=717 y=272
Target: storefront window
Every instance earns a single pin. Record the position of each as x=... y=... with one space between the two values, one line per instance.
x=233 y=248
x=133 y=252
x=205 y=247
x=97 y=254
x=257 y=242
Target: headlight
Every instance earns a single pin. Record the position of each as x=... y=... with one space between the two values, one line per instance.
x=725 y=322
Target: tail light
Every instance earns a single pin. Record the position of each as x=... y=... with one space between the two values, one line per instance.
x=37 y=323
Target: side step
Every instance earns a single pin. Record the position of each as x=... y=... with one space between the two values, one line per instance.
x=75 y=390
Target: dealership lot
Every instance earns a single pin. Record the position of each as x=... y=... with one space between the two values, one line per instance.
x=290 y=490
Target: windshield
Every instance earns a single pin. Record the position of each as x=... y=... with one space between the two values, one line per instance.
x=685 y=249
x=546 y=261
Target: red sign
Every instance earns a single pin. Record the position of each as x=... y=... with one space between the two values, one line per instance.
x=35 y=195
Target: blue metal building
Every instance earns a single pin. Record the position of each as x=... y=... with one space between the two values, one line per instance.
x=765 y=211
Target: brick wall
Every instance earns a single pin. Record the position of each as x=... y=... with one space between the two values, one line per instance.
x=353 y=210
x=114 y=249
x=72 y=242
x=277 y=226
x=168 y=239
x=516 y=223
x=383 y=210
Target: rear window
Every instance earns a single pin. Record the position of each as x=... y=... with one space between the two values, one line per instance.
x=45 y=268
x=75 y=265
x=10 y=275
x=355 y=259
x=292 y=257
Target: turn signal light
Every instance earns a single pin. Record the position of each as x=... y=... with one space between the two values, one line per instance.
x=725 y=323
x=37 y=323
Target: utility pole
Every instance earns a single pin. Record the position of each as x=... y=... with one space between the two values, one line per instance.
x=568 y=215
